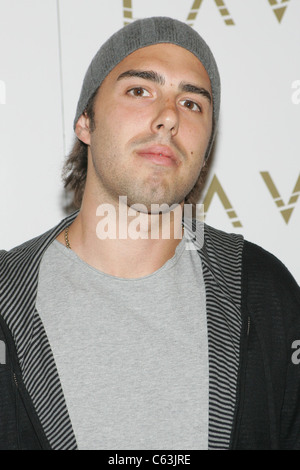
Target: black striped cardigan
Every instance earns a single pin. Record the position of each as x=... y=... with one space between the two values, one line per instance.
x=34 y=413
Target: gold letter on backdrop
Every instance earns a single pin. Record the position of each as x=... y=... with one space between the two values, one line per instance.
x=285 y=209
x=192 y=15
x=278 y=6
x=224 y=12
x=216 y=188
x=278 y=9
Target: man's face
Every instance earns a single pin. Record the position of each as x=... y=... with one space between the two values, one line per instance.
x=153 y=121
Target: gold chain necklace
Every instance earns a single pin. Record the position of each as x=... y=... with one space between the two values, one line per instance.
x=67 y=238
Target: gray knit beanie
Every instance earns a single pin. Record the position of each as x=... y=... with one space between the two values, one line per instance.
x=142 y=33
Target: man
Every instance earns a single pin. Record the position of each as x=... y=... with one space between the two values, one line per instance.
x=135 y=340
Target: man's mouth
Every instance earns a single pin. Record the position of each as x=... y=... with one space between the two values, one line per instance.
x=159 y=155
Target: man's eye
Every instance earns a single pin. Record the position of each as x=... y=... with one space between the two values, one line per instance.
x=138 y=92
x=191 y=105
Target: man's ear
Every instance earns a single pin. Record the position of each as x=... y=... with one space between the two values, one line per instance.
x=82 y=129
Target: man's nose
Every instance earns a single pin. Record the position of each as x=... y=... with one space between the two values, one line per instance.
x=166 y=120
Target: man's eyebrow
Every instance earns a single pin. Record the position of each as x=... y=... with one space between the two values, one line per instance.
x=145 y=74
x=157 y=78
x=188 y=88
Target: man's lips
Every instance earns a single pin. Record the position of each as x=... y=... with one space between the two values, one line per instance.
x=159 y=154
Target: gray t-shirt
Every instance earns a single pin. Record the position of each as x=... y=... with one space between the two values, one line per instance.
x=132 y=354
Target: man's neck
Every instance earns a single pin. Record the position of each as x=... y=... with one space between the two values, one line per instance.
x=122 y=242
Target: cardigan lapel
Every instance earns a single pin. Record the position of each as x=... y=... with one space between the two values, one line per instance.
x=18 y=290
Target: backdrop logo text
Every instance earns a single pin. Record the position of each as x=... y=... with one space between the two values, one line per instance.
x=277 y=6
x=285 y=208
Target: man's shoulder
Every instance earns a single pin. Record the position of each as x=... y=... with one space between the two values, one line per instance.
x=223 y=246
x=263 y=263
x=220 y=237
x=267 y=279
x=258 y=265
x=256 y=259
x=27 y=248
x=30 y=250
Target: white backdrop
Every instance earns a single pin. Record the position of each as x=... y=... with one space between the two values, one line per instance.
x=253 y=186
